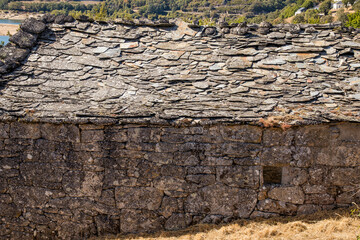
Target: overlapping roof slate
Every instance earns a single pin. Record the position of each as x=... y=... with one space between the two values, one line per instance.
x=180 y=74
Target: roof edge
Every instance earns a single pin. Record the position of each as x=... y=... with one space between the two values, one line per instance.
x=21 y=43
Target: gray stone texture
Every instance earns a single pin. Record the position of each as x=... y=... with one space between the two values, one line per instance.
x=32 y=25
x=102 y=72
x=88 y=179
x=118 y=127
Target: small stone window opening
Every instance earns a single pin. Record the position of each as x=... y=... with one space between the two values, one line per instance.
x=272 y=175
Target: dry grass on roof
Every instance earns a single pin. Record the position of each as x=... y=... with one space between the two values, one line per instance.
x=325 y=225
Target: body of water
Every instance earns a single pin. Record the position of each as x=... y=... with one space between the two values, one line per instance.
x=8 y=21
x=5 y=39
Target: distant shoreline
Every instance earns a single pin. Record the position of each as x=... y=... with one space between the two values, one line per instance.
x=5 y=28
x=17 y=15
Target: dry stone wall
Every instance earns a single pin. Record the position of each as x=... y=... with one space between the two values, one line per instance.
x=72 y=181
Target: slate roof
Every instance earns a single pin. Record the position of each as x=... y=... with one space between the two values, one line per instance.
x=99 y=72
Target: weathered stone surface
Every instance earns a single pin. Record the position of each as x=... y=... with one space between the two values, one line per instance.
x=138 y=198
x=181 y=46
x=234 y=52
x=59 y=19
x=61 y=65
x=32 y=197
x=294 y=176
x=242 y=75
x=240 y=30
x=319 y=199
x=9 y=210
x=80 y=184
x=274 y=137
x=305 y=156
x=351 y=44
x=23 y=130
x=201 y=85
x=247 y=134
x=60 y=133
x=144 y=134
x=90 y=60
x=177 y=221
x=223 y=200
x=201 y=180
x=23 y=39
x=92 y=135
x=10 y=53
x=135 y=221
x=104 y=169
x=42 y=175
x=313 y=136
x=48 y=18
x=169 y=206
x=276 y=156
x=287 y=194
x=3 y=185
x=348 y=198
x=308 y=209
x=239 y=63
x=186 y=159
x=279 y=207
x=111 y=127
x=344 y=156
x=4 y=130
x=344 y=176
x=129 y=45
x=107 y=225
x=31 y=25
x=241 y=150
x=259 y=214
x=173 y=55
x=239 y=176
x=172 y=184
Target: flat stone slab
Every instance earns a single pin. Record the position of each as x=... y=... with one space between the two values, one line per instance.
x=164 y=74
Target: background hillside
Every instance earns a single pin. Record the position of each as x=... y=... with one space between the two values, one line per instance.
x=207 y=12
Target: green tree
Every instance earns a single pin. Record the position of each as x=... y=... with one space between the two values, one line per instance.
x=326 y=19
x=354 y=20
x=15 y=6
x=102 y=14
x=299 y=18
x=342 y=16
x=289 y=11
x=356 y=6
x=325 y=7
x=312 y=16
x=308 y=4
x=3 y=4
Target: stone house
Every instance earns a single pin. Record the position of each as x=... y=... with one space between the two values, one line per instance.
x=141 y=126
x=337 y=5
x=300 y=10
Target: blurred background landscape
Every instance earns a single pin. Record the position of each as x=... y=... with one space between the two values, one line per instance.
x=204 y=12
